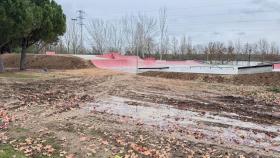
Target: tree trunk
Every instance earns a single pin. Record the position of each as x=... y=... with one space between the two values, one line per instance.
x=2 y=68
x=23 y=54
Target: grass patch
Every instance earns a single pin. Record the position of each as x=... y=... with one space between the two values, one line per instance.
x=19 y=75
x=96 y=133
x=7 y=151
x=53 y=142
x=21 y=130
x=274 y=89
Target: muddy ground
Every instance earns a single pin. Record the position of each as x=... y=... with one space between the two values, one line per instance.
x=261 y=79
x=96 y=113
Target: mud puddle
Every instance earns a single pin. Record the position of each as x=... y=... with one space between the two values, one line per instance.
x=205 y=126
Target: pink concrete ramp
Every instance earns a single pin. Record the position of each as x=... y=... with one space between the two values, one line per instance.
x=50 y=53
x=276 y=67
x=111 y=63
x=116 y=60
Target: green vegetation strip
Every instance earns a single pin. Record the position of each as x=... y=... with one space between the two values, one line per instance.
x=274 y=89
x=19 y=75
x=7 y=151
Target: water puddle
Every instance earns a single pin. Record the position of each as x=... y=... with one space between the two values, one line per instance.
x=212 y=127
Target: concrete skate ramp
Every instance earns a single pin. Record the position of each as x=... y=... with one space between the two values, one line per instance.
x=113 y=63
x=276 y=67
x=116 y=60
x=255 y=69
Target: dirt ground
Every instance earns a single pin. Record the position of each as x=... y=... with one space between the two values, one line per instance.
x=263 y=79
x=41 y=61
x=98 y=113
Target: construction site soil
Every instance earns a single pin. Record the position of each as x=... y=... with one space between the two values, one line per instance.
x=262 y=79
x=99 y=113
x=60 y=62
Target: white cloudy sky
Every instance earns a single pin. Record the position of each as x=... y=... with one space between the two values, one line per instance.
x=202 y=20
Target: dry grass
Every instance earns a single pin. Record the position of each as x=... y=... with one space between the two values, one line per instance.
x=60 y=62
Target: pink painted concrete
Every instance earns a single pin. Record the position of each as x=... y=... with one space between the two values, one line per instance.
x=276 y=67
x=114 y=60
x=50 y=53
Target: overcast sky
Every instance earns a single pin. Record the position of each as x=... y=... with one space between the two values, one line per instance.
x=202 y=20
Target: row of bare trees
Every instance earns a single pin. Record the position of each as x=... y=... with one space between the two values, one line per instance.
x=148 y=36
x=132 y=34
x=225 y=52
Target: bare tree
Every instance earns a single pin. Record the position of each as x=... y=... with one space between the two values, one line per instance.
x=139 y=39
x=150 y=45
x=67 y=38
x=183 y=45
x=115 y=36
x=166 y=45
x=174 y=45
x=199 y=49
x=59 y=46
x=40 y=47
x=99 y=33
x=263 y=46
x=163 y=30
x=129 y=26
x=146 y=29
x=274 y=49
x=186 y=46
x=71 y=39
x=129 y=34
x=219 y=51
x=138 y=34
x=230 y=52
x=211 y=50
x=189 y=48
x=248 y=50
x=237 y=50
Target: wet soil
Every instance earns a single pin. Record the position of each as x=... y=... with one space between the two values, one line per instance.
x=262 y=79
x=94 y=114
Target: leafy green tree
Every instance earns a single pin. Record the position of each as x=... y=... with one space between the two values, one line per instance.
x=49 y=22
x=26 y=22
x=15 y=18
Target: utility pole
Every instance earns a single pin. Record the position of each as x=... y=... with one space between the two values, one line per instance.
x=81 y=23
x=74 y=32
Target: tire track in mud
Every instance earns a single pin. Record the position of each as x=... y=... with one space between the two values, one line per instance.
x=141 y=92
x=244 y=109
x=257 y=111
x=192 y=125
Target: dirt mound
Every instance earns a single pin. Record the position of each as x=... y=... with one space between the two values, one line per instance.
x=44 y=61
x=264 y=79
x=188 y=76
